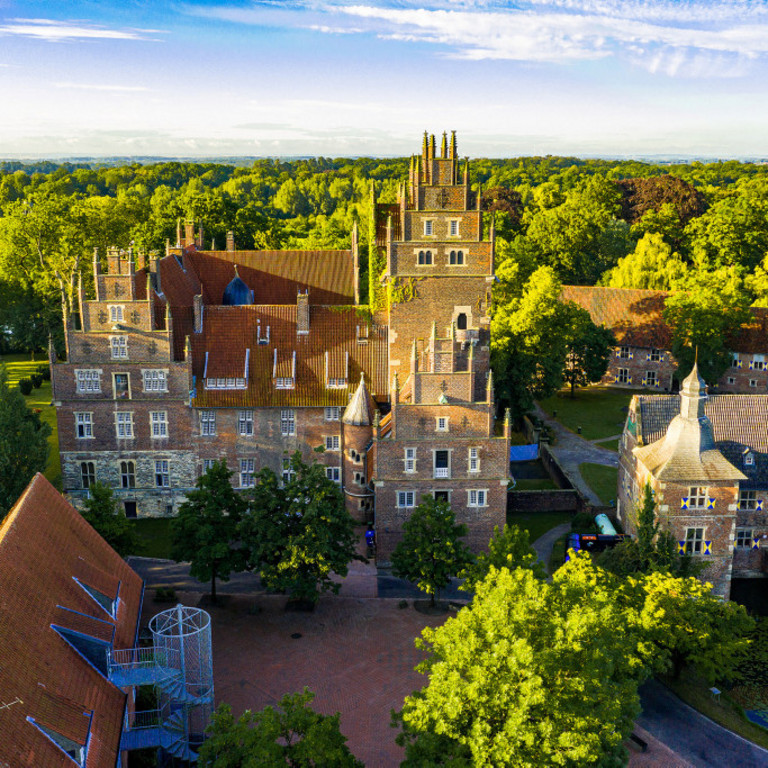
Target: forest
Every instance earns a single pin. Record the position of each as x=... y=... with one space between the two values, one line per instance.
x=698 y=228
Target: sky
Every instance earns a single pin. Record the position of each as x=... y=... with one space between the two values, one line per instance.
x=366 y=77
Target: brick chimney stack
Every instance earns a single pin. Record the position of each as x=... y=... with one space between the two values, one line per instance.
x=230 y=241
x=302 y=313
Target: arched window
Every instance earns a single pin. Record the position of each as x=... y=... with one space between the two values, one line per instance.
x=452 y=259
x=428 y=257
x=421 y=257
x=461 y=322
x=459 y=257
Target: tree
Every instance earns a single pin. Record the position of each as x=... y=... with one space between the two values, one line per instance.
x=293 y=735
x=531 y=674
x=299 y=535
x=509 y=548
x=23 y=444
x=205 y=531
x=652 y=265
x=431 y=550
x=100 y=510
x=589 y=348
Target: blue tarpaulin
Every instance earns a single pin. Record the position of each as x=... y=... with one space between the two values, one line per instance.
x=523 y=452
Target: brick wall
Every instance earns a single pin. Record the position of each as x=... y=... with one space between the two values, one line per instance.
x=630 y=367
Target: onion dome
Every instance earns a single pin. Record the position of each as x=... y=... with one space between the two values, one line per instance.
x=237 y=292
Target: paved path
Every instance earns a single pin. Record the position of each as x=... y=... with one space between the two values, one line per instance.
x=544 y=544
x=571 y=449
x=694 y=737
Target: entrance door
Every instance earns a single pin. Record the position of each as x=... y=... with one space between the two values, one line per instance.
x=130 y=509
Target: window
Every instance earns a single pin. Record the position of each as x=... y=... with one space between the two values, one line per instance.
x=442 y=424
x=697 y=497
x=442 y=467
x=753 y=382
x=693 y=540
x=735 y=362
x=155 y=381
x=623 y=376
x=159 y=422
x=744 y=538
x=162 y=473
x=284 y=382
x=124 y=425
x=749 y=459
x=332 y=442
x=207 y=423
x=245 y=423
x=477 y=498
x=474 y=460
x=247 y=468
x=454 y=228
x=624 y=353
x=225 y=383
x=461 y=321
x=333 y=473
x=122 y=386
x=333 y=413
x=655 y=356
x=731 y=379
x=287 y=421
x=127 y=474
x=115 y=314
x=758 y=363
x=425 y=257
x=456 y=257
x=651 y=379
x=410 y=460
x=428 y=227
x=287 y=471
x=87 y=474
x=405 y=499
x=747 y=500
x=442 y=496
x=119 y=346
x=88 y=381
x=208 y=464
x=84 y=424
x=337 y=383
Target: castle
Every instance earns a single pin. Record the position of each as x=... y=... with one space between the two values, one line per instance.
x=251 y=355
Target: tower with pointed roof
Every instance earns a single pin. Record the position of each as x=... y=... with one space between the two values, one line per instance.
x=356 y=438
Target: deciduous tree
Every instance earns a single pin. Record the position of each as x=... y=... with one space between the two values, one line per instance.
x=101 y=511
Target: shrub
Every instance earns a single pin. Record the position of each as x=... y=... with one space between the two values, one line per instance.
x=45 y=372
x=37 y=380
x=584 y=522
x=165 y=595
x=25 y=385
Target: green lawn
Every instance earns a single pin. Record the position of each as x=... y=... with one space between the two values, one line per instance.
x=611 y=445
x=602 y=480
x=155 y=537
x=599 y=411
x=20 y=367
x=538 y=523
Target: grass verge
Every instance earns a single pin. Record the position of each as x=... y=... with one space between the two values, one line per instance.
x=20 y=367
x=599 y=411
x=538 y=523
x=154 y=537
x=611 y=445
x=602 y=480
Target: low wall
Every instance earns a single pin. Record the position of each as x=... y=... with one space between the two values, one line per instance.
x=553 y=468
x=543 y=501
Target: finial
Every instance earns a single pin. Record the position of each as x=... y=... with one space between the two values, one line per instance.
x=237 y=274
x=444 y=146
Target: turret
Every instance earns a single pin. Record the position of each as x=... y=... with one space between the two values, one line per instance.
x=357 y=426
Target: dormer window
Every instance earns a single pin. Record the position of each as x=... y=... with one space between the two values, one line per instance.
x=337 y=383
x=284 y=382
x=262 y=339
x=749 y=459
x=284 y=372
x=72 y=749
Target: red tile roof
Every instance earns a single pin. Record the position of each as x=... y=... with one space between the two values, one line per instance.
x=229 y=331
x=44 y=543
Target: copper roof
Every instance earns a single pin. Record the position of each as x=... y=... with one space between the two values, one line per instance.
x=44 y=544
x=229 y=331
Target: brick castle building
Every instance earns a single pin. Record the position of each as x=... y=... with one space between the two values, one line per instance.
x=252 y=355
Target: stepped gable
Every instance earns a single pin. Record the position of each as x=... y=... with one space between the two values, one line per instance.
x=688 y=450
x=634 y=315
x=275 y=277
x=228 y=332
x=44 y=545
x=359 y=412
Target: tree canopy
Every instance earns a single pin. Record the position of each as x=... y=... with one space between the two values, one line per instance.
x=101 y=511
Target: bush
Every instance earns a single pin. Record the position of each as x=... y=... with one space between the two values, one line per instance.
x=165 y=595
x=37 y=380
x=584 y=522
x=45 y=372
x=25 y=385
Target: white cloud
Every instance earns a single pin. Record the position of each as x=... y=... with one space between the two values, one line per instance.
x=101 y=87
x=57 y=31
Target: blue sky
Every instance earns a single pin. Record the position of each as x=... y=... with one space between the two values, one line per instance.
x=350 y=77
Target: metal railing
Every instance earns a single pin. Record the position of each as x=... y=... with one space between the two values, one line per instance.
x=442 y=473
x=137 y=658
x=149 y=718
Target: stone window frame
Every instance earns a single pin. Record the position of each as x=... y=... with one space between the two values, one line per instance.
x=409 y=458
x=332 y=413
x=741 y=538
x=333 y=473
x=747 y=500
x=442 y=491
x=429 y=227
x=456 y=258
x=83 y=425
x=332 y=442
x=287 y=422
x=247 y=472
x=207 y=423
x=446 y=427
x=654 y=356
x=651 y=379
x=124 y=420
x=162 y=473
x=695 y=536
x=622 y=376
x=87 y=474
x=454 y=224
x=128 y=394
x=157 y=375
x=425 y=257
x=245 y=422
x=116 y=313
x=697 y=497
x=753 y=383
x=127 y=469
x=473 y=455
x=407 y=497
x=118 y=347
x=731 y=380
x=158 y=424
x=449 y=467
x=480 y=498
x=85 y=375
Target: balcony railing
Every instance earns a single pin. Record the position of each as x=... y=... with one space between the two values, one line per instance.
x=442 y=473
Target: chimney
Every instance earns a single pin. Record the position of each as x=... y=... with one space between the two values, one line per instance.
x=230 y=241
x=154 y=270
x=302 y=313
x=141 y=259
x=189 y=233
x=178 y=233
x=113 y=261
x=197 y=303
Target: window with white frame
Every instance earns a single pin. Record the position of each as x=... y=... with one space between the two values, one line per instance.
x=332 y=442
x=162 y=473
x=734 y=360
x=127 y=474
x=406 y=499
x=731 y=379
x=284 y=382
x=287 y=471
x=456 y=258
x=758 y=362
x=477 y=498
x=694 y=537
x=124 y=424
x=84 y=425
x=208 y=464
x=333 y=473
x=337 y=383
x=442 y=464
x=121 y=383
x=747 y=500
x=247 y=468
x=245 y=423
x=651 y=378
x=697 y=497
x=155 y=380
x=749 y=459
x=441 y=424
x=453 y=228
x=115 y=313
x=332 y=413
x=410 y=460
x=753 y=382
x=474 y=460
x=744 y=538
x=87 y=474
x=624 y=353
x=87 y=381
x=287 y=421
x=207 y=423
x=655 y=356
x=623 y=376
x=428 y=227
x=158 y=421
x=119 y=347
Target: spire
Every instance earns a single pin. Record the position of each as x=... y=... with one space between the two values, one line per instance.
x=452 y=151
x=425 y=144
x=466 y=171
x=359 y=412
x=489 y=386
x=432 y=147
x=444 y=146
x=693 y=395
